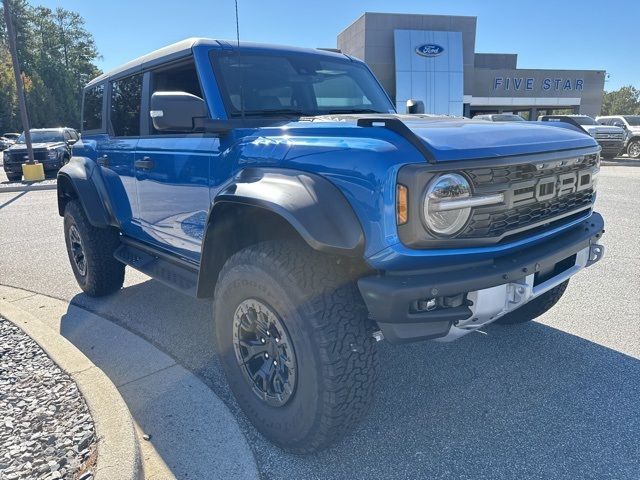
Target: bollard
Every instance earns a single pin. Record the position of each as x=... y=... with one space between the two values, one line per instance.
x=33 y=172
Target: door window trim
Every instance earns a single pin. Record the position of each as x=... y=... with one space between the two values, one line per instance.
x=146 y=99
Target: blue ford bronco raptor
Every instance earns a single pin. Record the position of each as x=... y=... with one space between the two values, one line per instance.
x=281 y=183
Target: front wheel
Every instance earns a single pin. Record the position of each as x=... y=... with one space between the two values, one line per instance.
x=535 y=307
x=90 y=251
x=295 y=343
x=633 y=149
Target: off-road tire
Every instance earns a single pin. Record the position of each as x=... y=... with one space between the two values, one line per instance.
x=634 y=145
x=14 y=177
x=104 y=274
x=535 y=307
x=320 y=305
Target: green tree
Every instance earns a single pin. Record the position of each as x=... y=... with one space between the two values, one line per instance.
x=57 y=58
x=8 y=98
x=625 y=101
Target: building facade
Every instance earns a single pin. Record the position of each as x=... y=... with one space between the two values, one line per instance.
x=431 y=59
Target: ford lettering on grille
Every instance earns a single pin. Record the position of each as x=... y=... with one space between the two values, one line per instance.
x=547 y=188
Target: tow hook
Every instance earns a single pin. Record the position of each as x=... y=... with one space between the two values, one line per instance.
x=519 y=292
x=596 y=252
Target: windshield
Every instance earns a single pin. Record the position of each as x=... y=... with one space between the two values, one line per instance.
x=507 y=118
x=297 y=84
x=43 y=136
x=633 y=120
x=585 y=120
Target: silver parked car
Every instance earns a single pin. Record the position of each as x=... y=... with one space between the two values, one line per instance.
x=631 y=125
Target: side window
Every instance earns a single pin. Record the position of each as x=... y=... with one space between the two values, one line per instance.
x=92 y=108
x=125 y=106
x=180 y=78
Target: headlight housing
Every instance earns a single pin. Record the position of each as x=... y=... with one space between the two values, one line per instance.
x=53 y=154
x=446 y=209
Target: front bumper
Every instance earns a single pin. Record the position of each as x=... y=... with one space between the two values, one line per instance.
x=389 y=297
x=47 y=165
x=611 y=148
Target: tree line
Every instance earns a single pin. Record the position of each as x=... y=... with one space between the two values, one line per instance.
x=57 y=58
x=624 y=101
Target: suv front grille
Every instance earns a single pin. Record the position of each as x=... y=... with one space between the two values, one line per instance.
x=609 y=136
x=499 y=221
x=516 y=173
x=19 y=157
x=496 y=224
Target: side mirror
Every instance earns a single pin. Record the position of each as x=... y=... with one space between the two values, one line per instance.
x=415 y=106
x=175 y=111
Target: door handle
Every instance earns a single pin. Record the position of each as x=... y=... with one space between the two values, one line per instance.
x=145 y=164
x=103 y=161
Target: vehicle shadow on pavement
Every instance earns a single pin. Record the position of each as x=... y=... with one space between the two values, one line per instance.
x=526 y=401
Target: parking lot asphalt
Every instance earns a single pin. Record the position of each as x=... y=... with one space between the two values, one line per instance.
x=555 y=398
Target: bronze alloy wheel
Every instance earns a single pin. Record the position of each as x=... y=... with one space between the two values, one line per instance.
x=264 y=352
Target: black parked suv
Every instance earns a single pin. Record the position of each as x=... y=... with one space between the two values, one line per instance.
x=51 y=148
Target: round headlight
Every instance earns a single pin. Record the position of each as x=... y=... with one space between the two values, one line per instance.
x=440 y=212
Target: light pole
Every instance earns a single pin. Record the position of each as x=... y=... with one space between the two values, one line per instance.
x=11 y=38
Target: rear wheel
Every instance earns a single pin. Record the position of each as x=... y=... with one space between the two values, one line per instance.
x=535 y=307
x=633 y=149
x=90 y=251
x=295 y=344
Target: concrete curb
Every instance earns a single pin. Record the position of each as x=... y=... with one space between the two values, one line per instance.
x=183 y=429
x=118 y=450
x=28 y=188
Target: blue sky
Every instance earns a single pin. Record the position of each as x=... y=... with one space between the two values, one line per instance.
x=578 y=34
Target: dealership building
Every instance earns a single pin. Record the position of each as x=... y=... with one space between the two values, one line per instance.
x=432 y=59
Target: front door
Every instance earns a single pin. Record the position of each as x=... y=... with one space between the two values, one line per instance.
x=172 y=172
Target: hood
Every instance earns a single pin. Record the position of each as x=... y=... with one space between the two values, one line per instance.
x=455 y=138
x=21 y=147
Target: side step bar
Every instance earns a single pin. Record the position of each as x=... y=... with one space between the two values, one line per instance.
x=177 y=273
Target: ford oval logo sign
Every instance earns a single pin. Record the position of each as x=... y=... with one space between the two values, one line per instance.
x=429 y=50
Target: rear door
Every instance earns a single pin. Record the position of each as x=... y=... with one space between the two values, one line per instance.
x=115 y=150
x=172 y=170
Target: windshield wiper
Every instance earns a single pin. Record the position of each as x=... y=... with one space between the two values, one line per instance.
x=269 y=113
x=353 y=110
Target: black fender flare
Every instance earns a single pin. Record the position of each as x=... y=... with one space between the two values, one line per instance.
x=314 y=207
x=80 y=176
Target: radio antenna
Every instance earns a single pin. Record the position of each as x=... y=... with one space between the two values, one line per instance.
x=239 y=66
